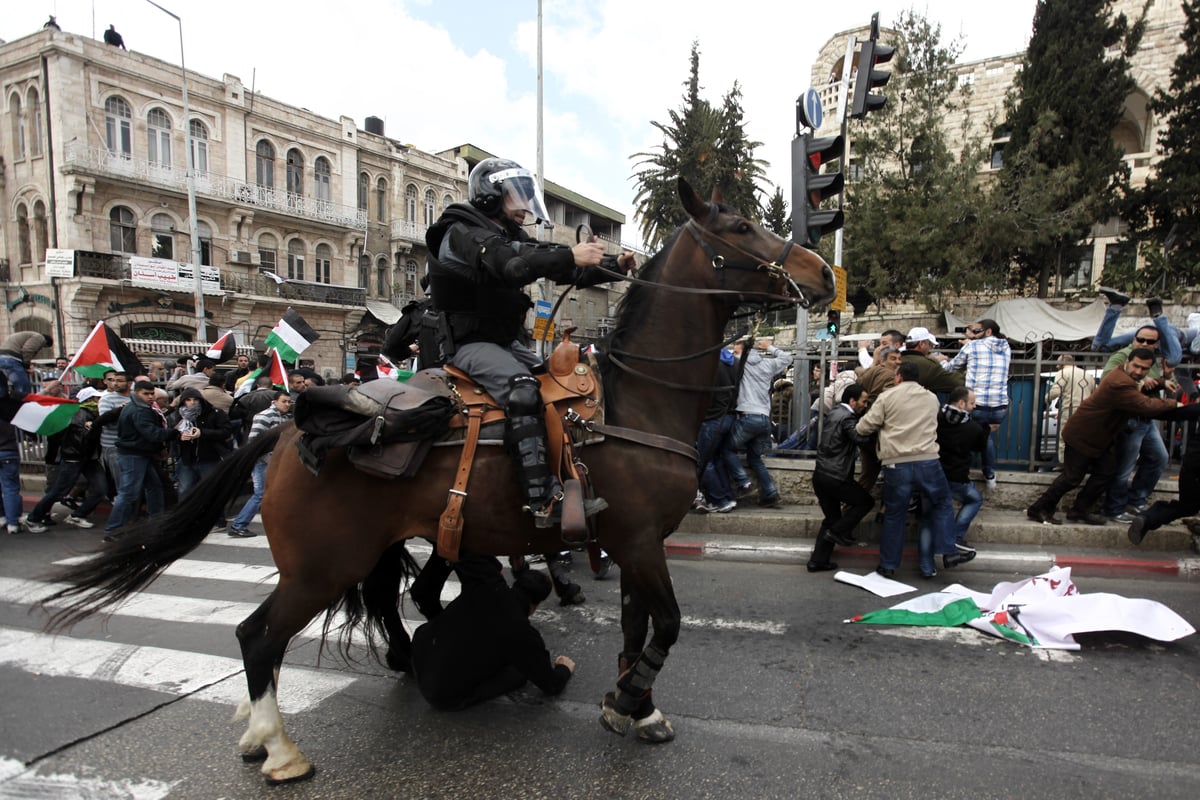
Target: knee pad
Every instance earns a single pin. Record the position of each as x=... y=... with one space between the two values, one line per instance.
x=524 y=396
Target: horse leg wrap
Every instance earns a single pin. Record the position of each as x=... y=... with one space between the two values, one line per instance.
x=635 y=684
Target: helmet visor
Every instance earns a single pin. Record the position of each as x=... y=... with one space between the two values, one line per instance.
x=520 y=192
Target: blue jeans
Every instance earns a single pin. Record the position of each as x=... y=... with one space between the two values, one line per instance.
x=64 y=481
x=752 y=432
x=246 y=515
x=990 y=416
x=970 y=501
x=10 y=483
x=137 y=473
x=714 y=480
x=901 y=482
x=187 y=475
x=1141 y=447
x=1171 y=339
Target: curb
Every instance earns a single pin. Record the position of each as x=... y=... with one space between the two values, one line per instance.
x=1031 y=561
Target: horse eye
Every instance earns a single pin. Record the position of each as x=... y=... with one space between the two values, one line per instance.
x=744 y=227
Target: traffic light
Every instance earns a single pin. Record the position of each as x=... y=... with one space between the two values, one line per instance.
x=810 y=186
x=870 y=55
x=834 y=323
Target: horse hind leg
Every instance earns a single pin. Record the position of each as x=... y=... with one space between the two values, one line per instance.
x=381 y=593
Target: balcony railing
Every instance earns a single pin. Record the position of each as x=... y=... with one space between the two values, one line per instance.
x=412 y=231
x=212 y=185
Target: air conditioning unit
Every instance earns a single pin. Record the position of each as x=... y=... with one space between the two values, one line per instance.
x=241 y=257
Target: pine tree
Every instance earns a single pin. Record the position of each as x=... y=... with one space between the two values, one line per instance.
x=1062 y=172
x=776 y=216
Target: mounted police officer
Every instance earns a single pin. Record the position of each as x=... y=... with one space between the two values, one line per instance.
x=480 y=258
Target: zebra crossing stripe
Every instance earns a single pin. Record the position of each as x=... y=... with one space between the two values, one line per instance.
x=175 y=672
x=19 y=781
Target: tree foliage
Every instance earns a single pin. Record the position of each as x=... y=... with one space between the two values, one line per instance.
x=776 y=216
x=1062 y=171
x=708 y=147
x=1165 y=213
x=916 y=222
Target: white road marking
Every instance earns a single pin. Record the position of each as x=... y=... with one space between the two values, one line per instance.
x=20 y=783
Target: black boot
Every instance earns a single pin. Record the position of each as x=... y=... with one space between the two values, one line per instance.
x=525 y=438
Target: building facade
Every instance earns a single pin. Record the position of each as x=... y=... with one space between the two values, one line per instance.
x=293 y=209
x=988 y=81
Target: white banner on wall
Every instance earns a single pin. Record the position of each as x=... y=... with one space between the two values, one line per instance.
x=60 y=263
x=159 y=273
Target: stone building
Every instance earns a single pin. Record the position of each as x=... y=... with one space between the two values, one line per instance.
x=989 y=80
x=293 y=209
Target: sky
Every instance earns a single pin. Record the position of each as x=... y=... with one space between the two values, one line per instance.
x=441 y=73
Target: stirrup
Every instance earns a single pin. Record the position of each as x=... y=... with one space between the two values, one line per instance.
x=550 y=515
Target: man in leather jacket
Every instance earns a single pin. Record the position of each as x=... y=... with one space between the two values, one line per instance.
x=480 y=260
x=833 y=478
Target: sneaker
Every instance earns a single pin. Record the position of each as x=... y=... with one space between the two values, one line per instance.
x=1138 y=508
x=1114 y=297
x=1154 y=306
x=79 y=522
x=699 y=501
x=990 y=483
x=952 y=560
x=241 y=533
x=33 y=526
x=744 y=489
x=1044 y=517
x=927 y=575
x=726 y=507
x=1137 y=530
x=1092 y=518
x=964 y=547
x=13 y=530
x=1123 y=518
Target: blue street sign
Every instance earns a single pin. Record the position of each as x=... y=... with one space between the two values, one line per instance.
x=809 y=109
x=543 y=309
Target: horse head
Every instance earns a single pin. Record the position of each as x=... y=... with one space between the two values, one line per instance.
x=752 y=258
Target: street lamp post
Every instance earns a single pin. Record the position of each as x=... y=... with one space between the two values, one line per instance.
x=193 y=225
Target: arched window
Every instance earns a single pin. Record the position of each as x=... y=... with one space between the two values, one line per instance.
x=25 y=251
x=264 y=164
x=410 y=203
x=205 y=243
x=321 y=179
x=430 y=208
x=41 y=234
x=364 y=271
x=162 y=237
x=364 y=183
x=324 y=260
x=267 y=252
x=381 y=200
x=383 y=283
x=295 y=172
x=35 y=123
x=199 y=133
x=158 y=137
x=17 y=115
x=295 y=260
x=118 y=127
x=447 y=200
x=122 y=230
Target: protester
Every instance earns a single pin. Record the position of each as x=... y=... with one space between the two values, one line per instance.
x=919 y=350
x=959 y=437
x=986 y=358
x=752 y=429
x=833 y=478
x=273 y=415
x=1072 y=385
x=79 y=453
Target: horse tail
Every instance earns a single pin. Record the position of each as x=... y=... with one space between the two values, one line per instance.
x=370 y=605
x=147 y=547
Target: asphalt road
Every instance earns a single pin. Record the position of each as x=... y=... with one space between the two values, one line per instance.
x=770 y=693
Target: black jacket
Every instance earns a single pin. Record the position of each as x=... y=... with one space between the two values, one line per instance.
x=79 y=442
x=956 y=443
x=141 y=429
x=839 y=444
x=215 y=441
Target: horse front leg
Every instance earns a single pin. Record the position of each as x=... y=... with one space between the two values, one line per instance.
x=646 y=594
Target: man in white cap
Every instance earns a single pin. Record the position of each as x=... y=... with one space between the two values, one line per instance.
x=79 y=451
x=919 y=350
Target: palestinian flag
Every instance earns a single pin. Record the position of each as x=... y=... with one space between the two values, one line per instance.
x=939 y=609
x=103 y=350
x=223 y=349
x=292 y=336
x=44 y=415
x=275 y=369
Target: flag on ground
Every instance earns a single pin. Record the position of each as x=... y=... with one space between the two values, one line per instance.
x=44 y=415
x=939 y=608
x=292 y=336
x=223 y=349
x=103 y=350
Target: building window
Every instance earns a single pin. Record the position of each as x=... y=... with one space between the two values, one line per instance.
x=267 y=248
x=264 y=164
x=295 y=172
x=364 y=271
x=17 y=114
x=324 y=258
x=1000 y=138
x=206 y=245
x=410 y=203
x=410 y=278
x=122 y=230
x=199 y=135
x=381 y=200
x=363 y=183
x=162 y=238
x=447 y=200
x=118 y=127
x=321 y=179
x=35 y=123
x=430 y=209
x=41 y=233
x=158 y=137
x=25 y=251
x=295 y=260
x=383 y=286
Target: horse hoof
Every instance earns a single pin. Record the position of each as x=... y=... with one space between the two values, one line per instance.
x=398 y=663
x=655 y=728
x=254 y=755
x=273 y=781
x=612 y=719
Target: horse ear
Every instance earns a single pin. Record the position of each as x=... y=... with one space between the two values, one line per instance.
x=692 y=203
x=717 y=197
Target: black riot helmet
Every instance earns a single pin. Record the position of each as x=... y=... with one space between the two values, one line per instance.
x=497 y=185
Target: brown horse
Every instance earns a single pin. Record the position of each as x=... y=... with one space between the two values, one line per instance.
x=658 y=365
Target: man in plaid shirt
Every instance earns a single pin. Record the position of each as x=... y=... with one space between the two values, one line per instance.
x=986 y=357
